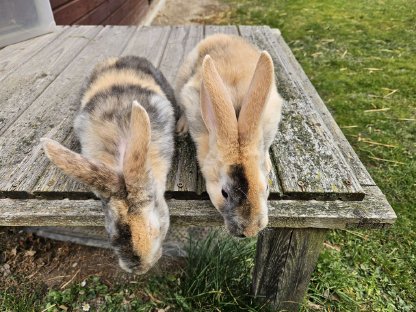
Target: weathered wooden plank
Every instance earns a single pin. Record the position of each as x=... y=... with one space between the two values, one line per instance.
x=146 y=42
x=373 y=212
x=215 y=29
x=183 y=176
x=51 y=114
x=309 y=164
x=284 y=263
x=181 y=41
x=271 y=253
x=274 y=182
x=15 y=55
x=32 y=212
x=27 y=82
x=297 y=74
x=184 y=172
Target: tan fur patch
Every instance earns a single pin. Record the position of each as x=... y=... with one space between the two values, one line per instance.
x=218 y=111
x=227 y=51
x=101 y=142
x=134 y=163
x=256 y=99
x=121 y=208
x=105 y=64
x=92 y=173
x=114 y=77
x=159 y=166
x=140 y=234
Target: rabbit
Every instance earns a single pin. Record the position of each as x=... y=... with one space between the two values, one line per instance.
x=230 y=105
x=126 y=127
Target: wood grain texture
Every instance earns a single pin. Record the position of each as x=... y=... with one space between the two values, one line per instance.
x=214 y=29
x=117 y=16
x=71 y=11
x=15 y=55
x=100 y=13
x=271 y=254
x=297 y=74
x=309 y=164
x=183 y=176
x=27 y=82
x=148 y=42
x=51 y=115
x=57 y=3
x=136 y=13
x=373 y=212
x=285 y=260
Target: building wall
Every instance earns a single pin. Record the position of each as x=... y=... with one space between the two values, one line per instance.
x=99 y=12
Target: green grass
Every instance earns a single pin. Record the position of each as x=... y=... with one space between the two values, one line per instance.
x=360 y=56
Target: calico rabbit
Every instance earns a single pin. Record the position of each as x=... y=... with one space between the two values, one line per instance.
x=126 y=129
x=229 y=102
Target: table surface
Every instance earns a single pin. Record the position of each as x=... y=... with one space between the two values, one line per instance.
x=316 y=176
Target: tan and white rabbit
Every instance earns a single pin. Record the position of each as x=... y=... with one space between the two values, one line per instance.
x=229 y=102
x=126 y=130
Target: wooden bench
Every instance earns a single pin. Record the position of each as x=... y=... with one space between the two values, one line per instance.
x=319 y=182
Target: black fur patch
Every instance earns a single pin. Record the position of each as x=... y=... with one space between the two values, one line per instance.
x=125 y=95
x=239 y=184
x=123 y=245
x=143 y=65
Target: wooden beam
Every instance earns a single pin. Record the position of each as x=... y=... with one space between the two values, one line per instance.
x=285 y=260
x=373 y=212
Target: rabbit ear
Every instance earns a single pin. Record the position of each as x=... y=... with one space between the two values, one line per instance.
x=216 y=106
x=256 y=98
x=95 y=174
x=134 y=162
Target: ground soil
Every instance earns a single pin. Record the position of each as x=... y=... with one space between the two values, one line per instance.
x=27 y=258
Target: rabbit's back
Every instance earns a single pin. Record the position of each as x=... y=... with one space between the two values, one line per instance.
x=104 y=119
x=235 y=61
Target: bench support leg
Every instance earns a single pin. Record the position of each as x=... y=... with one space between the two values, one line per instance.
x=285 y=260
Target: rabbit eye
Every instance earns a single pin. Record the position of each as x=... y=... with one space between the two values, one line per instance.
x=224 y=193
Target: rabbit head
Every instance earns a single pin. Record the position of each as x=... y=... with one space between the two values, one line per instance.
x=237 y=165
x=134 y=208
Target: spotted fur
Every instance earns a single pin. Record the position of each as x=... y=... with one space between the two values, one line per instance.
x=230 y=105
x=125 y=126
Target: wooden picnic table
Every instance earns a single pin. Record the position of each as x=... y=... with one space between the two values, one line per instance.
x=319 y=182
